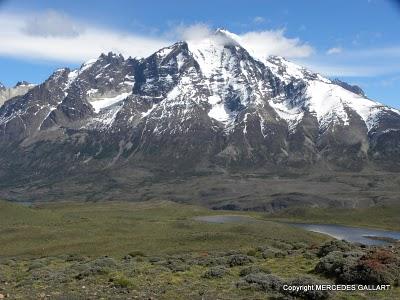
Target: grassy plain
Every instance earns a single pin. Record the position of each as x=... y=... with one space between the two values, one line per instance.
x=152 y=250
x=116 y=228
x=383 y=217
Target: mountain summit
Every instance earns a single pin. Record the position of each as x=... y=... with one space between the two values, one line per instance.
x=19 y=89
x=205 y=105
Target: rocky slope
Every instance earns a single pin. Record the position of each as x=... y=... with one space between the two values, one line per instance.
x=19 y=89
x=198 y=106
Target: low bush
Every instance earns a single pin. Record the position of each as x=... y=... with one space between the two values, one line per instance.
x=271 y=253
x=121 y=280
x=176 y=265
x=252 y=252
x=136 y=254
x=98 y=266
x=334 y=245
x=377 y=266
x=239 y=260
x=36 y=265
x=261 y=281
x=254 y=269
x=215 y=272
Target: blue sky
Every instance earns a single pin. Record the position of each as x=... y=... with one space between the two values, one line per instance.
x=357 y=41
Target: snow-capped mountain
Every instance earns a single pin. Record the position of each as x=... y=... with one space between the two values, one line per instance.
x=199 y=105
x=19 y=89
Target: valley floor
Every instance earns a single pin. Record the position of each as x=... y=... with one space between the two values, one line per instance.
x=156 y=250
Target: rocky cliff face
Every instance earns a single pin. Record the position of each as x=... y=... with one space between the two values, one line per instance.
x=196 y=106
x=19 y=89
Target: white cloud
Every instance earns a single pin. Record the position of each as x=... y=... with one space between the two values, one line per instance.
x=348 y=69
x=196 y=31
x=393 y=51
x=77 y=42
x=362 y=62
x=54 y=36
x=334 y=50
x=258 y=20
x=273 y=42
x=260 y=43
x=54 y=24
x=390 y=81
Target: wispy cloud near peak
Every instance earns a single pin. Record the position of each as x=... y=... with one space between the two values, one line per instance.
x=52 y=35
x=334 y=50
x=274 y=42
x=261 y=43
x=259 y=20
x=55 y=36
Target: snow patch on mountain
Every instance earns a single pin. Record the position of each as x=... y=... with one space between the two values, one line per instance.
x=211 y=52
x=87 y=65
x=148 y=112
x=225 y=81
x=225 y=75
x=105 y=118
x=291 y=114
x=329 y=102
x=101 y=103
x=326 y=104
x=219 y=113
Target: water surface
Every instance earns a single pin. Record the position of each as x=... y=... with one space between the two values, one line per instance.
x=226 y=219
x=361 y=235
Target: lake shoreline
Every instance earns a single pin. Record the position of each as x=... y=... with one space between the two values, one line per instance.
x=353 y=234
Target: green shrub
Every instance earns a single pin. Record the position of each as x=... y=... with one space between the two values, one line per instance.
x=272 y=252
x=377 y=266
x=122 y=281
x=136 y=253
x=254 y=269
x=252 y=252
x=36 y=265
x=98 y=266
x=239 y=260
x=261 y=281
x=215 y=272
x=176 y=265
x=335 y=245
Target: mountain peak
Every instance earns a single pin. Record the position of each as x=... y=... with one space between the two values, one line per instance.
x=110 y=56
x=211 y=97
x=21 y=88
x=221 y=29
x=226 y=33
x=23 y=83
x=352 y=88
x=213 y=39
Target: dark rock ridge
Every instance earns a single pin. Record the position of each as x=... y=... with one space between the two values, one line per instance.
x=19 y=89
x=194 y=107
x=352 y=88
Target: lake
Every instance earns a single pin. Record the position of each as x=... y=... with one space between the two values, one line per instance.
x=226 y=219
x=362 y=235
